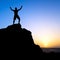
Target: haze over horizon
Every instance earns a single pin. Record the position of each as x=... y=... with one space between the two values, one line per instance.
x=41 y=17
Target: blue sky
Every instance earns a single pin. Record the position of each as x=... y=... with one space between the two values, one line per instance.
x=41 y=17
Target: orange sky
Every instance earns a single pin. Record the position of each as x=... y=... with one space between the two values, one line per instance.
x=47 y=41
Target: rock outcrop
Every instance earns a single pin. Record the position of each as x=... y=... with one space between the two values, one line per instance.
x=18 y=42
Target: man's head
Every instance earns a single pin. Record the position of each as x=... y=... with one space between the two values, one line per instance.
x=15 y=8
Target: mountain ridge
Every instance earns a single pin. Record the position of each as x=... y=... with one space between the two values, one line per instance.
x=16 y=41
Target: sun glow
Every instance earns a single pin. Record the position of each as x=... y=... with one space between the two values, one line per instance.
x=46 y=37
x=46 y=40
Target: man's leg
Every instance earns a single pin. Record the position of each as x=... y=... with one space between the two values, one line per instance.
x=18 y=19
x=14 y=19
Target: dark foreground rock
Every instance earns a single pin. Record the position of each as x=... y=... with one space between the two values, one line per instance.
x=17 y=42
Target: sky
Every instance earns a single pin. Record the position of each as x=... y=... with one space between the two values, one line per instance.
x=41 y=17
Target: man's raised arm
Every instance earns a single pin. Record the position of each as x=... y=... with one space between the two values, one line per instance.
x=20 y=8
x=11 y=9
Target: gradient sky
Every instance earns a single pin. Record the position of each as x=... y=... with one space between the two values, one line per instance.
x=41 y=17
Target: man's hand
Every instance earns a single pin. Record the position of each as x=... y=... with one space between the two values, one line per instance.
x=20 y=8
x=11 y=9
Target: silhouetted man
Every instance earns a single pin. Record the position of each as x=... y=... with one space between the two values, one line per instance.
x=16 y=14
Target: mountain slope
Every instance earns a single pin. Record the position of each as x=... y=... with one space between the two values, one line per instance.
x=17 y=41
